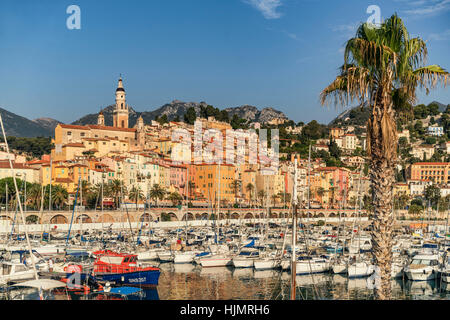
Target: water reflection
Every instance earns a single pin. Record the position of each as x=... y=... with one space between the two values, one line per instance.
x=223 y=283
x=192 y=282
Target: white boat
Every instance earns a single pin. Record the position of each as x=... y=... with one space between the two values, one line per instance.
x=285 y=264
x=423 y=267
x=183 y=257
x=339 y=267
x=445 y=271
x=308 y=265
x=151 y=254
x=165 y=256
x=216 y=260
x=266 y=263
x=397 y=269
x=245 y=259
x=360 y=269
x=362 y=244
x=15 y=272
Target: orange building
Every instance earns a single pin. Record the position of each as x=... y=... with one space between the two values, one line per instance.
x=207 y=181
x=438 y=172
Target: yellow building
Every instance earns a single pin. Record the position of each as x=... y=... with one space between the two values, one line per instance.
x=207 y=182
x=401 y=188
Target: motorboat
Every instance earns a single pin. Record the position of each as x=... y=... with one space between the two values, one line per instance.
x=423 y=267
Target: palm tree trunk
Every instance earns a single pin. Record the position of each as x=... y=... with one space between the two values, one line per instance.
x=382 y=144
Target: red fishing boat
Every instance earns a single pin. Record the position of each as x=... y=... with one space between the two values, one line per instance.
x=122 y=269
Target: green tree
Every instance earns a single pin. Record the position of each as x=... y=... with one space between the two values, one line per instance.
x=175 y=198
x=190 y=116
x=136 y=194
x=432 y=194
x=157 y=192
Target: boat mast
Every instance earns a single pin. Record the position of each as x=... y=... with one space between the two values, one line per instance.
x=73 y=212
x=294 y=232
x=19 y=202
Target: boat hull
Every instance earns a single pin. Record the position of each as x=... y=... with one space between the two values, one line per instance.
x=139 y=278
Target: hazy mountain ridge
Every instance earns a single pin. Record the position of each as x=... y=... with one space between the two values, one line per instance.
x=19 y=126
x=178 y=108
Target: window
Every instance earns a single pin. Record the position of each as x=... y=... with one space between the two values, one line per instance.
x=69 y=133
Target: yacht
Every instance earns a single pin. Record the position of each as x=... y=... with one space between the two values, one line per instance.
x=15 y=272
x=423 y=267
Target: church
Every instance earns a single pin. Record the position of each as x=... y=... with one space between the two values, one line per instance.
x=72 y=141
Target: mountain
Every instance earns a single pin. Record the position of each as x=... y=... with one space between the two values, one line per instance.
x=47 y=123
x=253 y=114
x=18 y=126
x=356 y=116
x=179 y=108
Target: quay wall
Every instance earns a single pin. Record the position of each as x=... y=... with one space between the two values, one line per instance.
x=6 y=226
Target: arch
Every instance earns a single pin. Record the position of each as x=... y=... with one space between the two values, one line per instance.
x=364 y=214
x=106 y=218
x=145 y=218
x=190 y=217
x=58 y=219
x=235 y=215
x=320 y=215
x=198 y=216
x=248 y=215
x=332 y=215
x=173 y=216
x=84 y=218
x=3 y=217
x=32 y=219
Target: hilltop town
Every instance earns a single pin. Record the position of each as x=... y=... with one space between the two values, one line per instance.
x=121 y=164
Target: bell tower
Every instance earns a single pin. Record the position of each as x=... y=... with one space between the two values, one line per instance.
x=101 y=119
x=120 y=117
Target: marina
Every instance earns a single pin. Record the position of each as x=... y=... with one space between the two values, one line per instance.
x=249 y=259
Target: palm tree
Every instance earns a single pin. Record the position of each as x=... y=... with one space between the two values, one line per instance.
x=59 y=196
x=250 y=187
x=34 y=193
x=320 y=193
x=261 y=196
x=378 y=62
x=115 y=188
x=274 y=198
x=157 y=192
x=175 y=197
x=236 y=185
x=136 y=194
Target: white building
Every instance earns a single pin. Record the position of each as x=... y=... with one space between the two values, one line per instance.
x=417 y=187
x=350 y=141
x=20 y=170
x=435 y=131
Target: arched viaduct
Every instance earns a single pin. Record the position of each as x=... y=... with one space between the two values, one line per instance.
x=174 y=214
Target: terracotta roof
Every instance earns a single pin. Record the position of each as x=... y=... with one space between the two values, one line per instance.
x=111 y=128
x=431 y=163
x=63 y=180
x=71 y=126
x=78 y=145
x=5 y=165
x=92 y=126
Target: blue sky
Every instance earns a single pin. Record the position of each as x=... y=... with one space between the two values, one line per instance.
x=267 y=53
